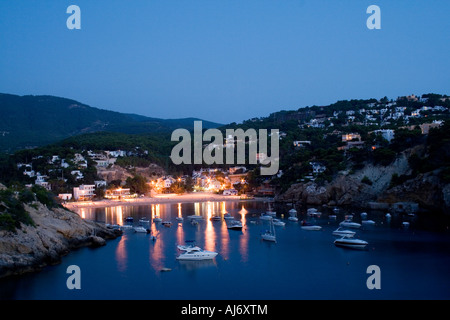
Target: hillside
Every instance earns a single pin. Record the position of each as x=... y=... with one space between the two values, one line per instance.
x=31 y=121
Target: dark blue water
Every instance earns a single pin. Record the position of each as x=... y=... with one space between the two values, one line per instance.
x=414 y=262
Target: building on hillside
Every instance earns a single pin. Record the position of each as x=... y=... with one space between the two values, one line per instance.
x=84 y=192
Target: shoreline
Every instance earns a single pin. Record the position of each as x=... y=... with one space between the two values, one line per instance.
x=158 y=199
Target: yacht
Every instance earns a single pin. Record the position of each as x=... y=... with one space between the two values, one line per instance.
x=269 y=235
x=312 y=212
x=342 y=232
x=196 y=253
x=234 y=225
x=310 y=226
x=141 y=229
x=349 y=224
x=350 y=243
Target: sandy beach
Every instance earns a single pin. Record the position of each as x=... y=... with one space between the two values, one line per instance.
x=160 y=198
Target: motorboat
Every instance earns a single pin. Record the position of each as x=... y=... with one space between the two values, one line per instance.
x=293 y=215
x=269 y=235
x=234 y=225
x=342 y=232
x=309 y=226
x=157 y=219
x=179 y=219
x=141 y=229
x=228 y=216
x=215 y=218
x=144 y=220
x=363 y=215
x=196 y=253
x=350 y=243
x=278 y=222
x=265 y=216
x=129 y=219
x=312 y=212
x=368 y=223
x=349 y=224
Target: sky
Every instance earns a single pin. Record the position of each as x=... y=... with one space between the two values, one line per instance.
x=223 y=60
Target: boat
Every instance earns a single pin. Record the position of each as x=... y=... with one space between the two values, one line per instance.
x=336 y=210
x=312 y=212
x=363 y=215
x=269 y=235
x=215 y=218
x=129 y=219
x=234 y=225
x=350 y=243
x=187 y=247
x=278 y=222
x=293 y=215
x=270 y=212
x=342 y=232
x=157 y=219
x=349 y=224
x=141 y=229
x=228 y=216
x=265 y=216
x=179 y=219
x=167 y=224
x=368 y=222
x=196 y=253
x=144 y=220
x=332 y=217
x=309 y=226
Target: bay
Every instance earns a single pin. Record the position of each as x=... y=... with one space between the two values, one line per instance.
x=302 y=264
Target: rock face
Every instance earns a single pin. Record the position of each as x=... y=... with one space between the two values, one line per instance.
x=56 y=232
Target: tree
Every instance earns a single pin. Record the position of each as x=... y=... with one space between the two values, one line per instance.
x=137 y=184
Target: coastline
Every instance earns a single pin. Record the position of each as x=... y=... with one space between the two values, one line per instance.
x=158 y=199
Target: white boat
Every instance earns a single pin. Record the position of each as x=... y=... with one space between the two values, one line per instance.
x=350 y=243
x=278 y=222
x=293 y=212
x=309 y=226
x=265 y=216
x=295 y=219
x=234 y=225
x=157 y=219
x=179 y=219
x=141 y=229
x=368 y=222
x=342 y=232
x=349 y=224
x=312 y=212
x=269 y=235
x=144 y=220
x=196 y=253
x=228 y=216
x=363 y=215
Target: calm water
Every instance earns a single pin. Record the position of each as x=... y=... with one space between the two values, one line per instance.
x=301 y=265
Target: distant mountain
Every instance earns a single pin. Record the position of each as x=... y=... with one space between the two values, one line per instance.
x=30 y=121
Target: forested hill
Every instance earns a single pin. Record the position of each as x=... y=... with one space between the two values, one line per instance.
x=31 y=121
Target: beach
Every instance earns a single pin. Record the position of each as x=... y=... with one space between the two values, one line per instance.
x=157 y=199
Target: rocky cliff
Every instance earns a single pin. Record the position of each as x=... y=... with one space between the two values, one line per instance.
x=426 y=190
x=55 y=234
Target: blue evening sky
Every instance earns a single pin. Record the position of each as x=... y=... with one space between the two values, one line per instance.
x=223 y=60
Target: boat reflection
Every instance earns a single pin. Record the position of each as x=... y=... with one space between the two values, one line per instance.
x=193 y=265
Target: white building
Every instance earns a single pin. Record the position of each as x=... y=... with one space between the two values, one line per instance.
x=84 y=192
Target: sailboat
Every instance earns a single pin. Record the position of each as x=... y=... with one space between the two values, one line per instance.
x=269 y=235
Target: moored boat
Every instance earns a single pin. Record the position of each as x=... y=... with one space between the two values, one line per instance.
x=351 y=243
x=349 y=224
x=196 y=253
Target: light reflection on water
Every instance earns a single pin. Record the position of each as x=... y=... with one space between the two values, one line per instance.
x=301 y=265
